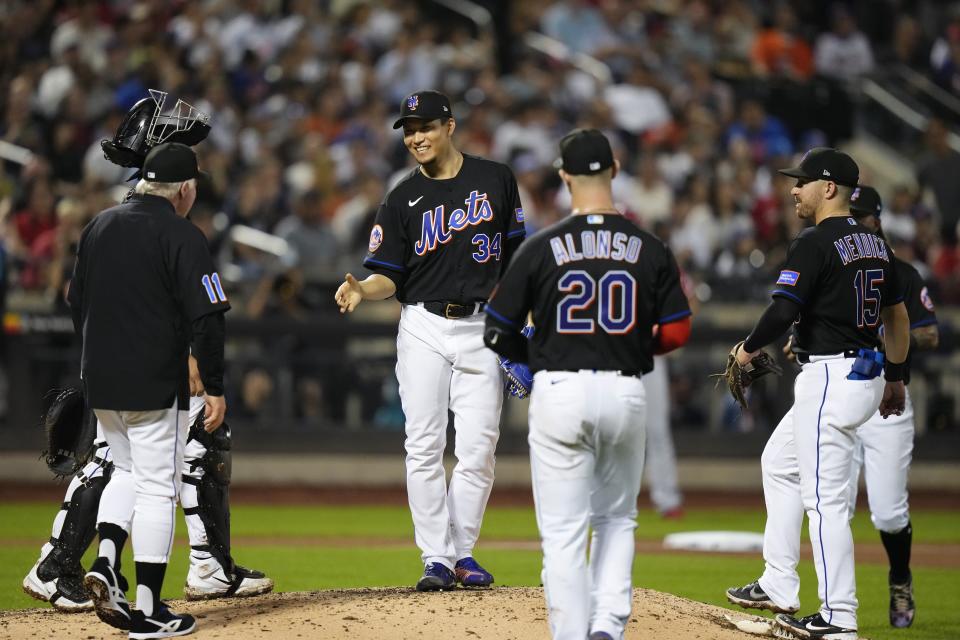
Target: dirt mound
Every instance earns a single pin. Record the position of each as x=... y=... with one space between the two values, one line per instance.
x=361 y=614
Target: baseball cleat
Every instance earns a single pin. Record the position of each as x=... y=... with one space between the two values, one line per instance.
x=70 y=596
x=65 y=593
x=471 y=574
x=902 y=606
x=751 y=596
x=162 y=623
x=814 y=627
x=35 y=587
x=109 y=600
x=207 y=580
x=436 y=577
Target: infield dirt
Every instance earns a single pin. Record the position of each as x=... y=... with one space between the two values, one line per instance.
x=395 y=613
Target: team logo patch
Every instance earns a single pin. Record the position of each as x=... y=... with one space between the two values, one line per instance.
x=519 y=213
x=413 y=102
x=925 y=299
x=376 y=238
x=788 y=277
x=855 y=195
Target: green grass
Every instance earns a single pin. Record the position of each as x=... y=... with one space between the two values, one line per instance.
x=302 y=567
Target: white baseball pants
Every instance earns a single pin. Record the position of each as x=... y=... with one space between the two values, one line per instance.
x=587 y=432
x=661 y=459
x=443 y=365
x=147 y=449
x=806 y=468
x=884 y=448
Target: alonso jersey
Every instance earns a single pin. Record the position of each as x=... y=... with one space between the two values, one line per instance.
x=841 y=274
x=596 y=285
x=448 y=240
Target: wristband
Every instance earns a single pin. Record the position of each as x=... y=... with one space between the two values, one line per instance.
x=893 y=372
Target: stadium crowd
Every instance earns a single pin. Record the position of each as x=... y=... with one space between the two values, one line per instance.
x=704 y=100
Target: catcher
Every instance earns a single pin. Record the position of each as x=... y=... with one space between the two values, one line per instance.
x=838 y=283
x=76 y=445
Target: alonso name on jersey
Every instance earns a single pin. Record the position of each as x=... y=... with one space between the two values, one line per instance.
x=596 y=245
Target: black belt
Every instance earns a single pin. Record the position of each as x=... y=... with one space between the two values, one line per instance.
x=453 y=310
x=804 y=358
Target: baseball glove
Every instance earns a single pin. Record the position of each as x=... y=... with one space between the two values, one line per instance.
x=740 y=377
x=70 y=430
x=519 y=378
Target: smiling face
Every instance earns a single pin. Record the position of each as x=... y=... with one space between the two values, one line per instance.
x=428 y=140
x=808 y=196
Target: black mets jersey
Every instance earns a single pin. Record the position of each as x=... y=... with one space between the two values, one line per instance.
x=596 y=284
x=142 y=276
x=841 y=274
x=447 y=240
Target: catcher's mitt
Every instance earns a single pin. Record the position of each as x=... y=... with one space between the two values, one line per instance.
x=70 y=430
x=739 y=377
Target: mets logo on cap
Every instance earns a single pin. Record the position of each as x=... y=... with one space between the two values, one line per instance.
x=376 y=238
x=413 y=102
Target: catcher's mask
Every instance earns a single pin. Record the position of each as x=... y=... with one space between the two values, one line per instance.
x=146 y=125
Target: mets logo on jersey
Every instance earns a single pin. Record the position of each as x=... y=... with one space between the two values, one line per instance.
x=788 y=277
x=437 y=230
x=413 y=102
x=925 y=299
x=376 y=238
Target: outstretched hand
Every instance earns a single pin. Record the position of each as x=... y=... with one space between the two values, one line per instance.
x=349 y=294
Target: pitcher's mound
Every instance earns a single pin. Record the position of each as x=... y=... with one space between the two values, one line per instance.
x=514 y=613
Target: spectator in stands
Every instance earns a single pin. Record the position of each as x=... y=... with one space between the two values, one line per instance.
x=652 y=198
x=695 y=230
x=637 y=104
x=30 y=234
x=779 y=50
x=843 y=53
x=899 y=221
x=765 y=136
x=699 y=87
x=21 y=126
x=946 y=71
x=938 y=170
x=579 y=25
x=908 y=46
x=309 y=236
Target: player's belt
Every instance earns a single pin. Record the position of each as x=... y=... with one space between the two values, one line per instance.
x=453 y=310
x=805 y=358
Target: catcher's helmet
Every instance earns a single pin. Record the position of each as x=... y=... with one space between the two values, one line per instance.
x=145 y=126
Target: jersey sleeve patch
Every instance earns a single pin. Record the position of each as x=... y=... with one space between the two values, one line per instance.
x=788 y=278
x=376 y=238
x=518 y=212
x=925 y=299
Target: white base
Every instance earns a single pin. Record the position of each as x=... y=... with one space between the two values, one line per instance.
x=722 y=541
